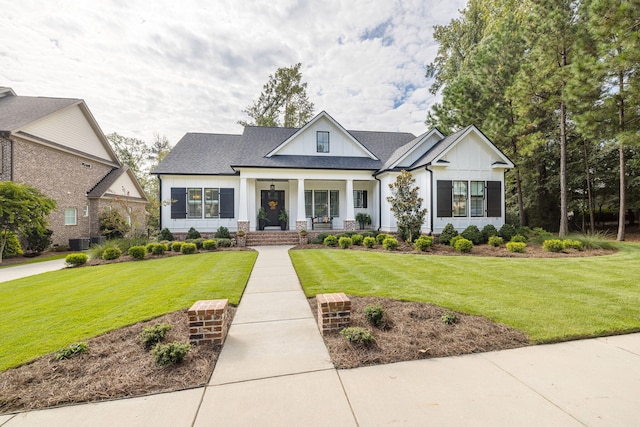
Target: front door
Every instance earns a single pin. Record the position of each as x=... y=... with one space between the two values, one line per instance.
x=273 y=203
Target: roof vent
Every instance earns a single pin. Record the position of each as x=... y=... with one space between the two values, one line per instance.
x=86 y=165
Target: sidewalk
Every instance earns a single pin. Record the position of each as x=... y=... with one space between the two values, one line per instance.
x=274 y=370
x=20 y=271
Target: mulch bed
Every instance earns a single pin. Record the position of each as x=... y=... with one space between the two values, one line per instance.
x=414 y=331
x=117 y=365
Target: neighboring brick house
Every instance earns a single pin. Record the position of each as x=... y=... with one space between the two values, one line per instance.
x=55 y=145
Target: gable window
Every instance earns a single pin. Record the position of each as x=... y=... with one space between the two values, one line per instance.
x=70 y=216
x=194 y=203
x=322 y=141
x=211 y=203
x=477 y=198
x=360 y=199
x=459 y=198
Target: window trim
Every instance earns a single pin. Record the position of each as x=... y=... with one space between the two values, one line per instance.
x=335 y=194
x=460 y=211
x=318 y=142
x=75 y=216
x=362 y=199
x=477 y=198
x=195 y=204
x=214 y=202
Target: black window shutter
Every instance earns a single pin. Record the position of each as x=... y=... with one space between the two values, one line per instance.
x=494 y=199
x=178 y=202
x=444 y=207
x=364 y=198
x=226 y=203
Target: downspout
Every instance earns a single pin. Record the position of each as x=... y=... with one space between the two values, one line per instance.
x=430 y=199
x=160 y=201
x=379 y=202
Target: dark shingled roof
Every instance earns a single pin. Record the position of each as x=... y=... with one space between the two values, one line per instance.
x=219 y=154
x=439 y=148
x=18 y=111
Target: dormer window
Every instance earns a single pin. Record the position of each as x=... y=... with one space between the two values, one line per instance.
x=322 y=141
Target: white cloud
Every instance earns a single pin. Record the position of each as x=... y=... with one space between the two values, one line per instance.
x=192 y=66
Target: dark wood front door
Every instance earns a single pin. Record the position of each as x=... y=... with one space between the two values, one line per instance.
x=273 y=203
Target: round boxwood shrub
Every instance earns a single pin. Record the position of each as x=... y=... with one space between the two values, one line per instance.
x=380 y=238
x=112 y=252
x=345 y=242
x=357 y=239
x=390 y=243
x=358 y=336
x=572 y=244
x=463 y=245
x=518 y=247
x=368 y=242
x=224 y=243
x=158 y=249
x=167 y=354
x=209 y=245
x=495 y=241
x=488 y=231
x=374 y=314
x=330 y=240
x=454 y=239
x=553 y=245
x=448 y=232
x=138 y=252
x=472 y=233
x=423 y=243
x=165 y=234
x=176 y=246
x=188 y=248
x=507 y=231
x=519 y=238
x=76 y=259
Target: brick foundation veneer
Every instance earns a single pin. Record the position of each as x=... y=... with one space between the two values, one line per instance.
x=208 y=322
x=334 y=312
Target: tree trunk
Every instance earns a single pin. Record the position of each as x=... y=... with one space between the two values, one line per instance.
x=622 y=208
x=592 y=221
x=564 y=220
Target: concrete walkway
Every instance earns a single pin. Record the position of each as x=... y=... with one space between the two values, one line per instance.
x=274 y=370
x=20 y=271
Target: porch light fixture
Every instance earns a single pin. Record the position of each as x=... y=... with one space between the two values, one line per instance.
x=272 y=189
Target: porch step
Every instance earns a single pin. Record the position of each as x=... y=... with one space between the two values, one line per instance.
x=266 y=238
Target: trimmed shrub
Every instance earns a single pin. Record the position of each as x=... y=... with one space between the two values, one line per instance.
x=496 y=241
x=150 y=246
x=192 y=234
x=138 y=252
x=152 y=335
x=448 y=233
x=72 y=350
x=12 y=248
x=380 y=238
x=37 y=240
x=224 y=243
x=488 y=231
x=463 y=245
x=158 y=249
x=111 y=253
x=519 y=238
x=449 y=317
x=209 y=245
x=369 y=234
x=368 y=242
x=553 y=245
x=168 y=354
x=518 y=247
x=330 y=241
x=374 y=314
x=472 y=233
x=454 y=239
x=222 y=233
x=176 y=246
x=357 y=239
x=76 y=259
x=507 y=231
x=358 y=336
x=423 y=243
x=345 y=242
x=165 y=234
x=572 y=244
x=189 y=248
x=320 y=238
x=390 y=243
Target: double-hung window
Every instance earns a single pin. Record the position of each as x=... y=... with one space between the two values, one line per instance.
x=360 y=199
x=194 y=203
x=322 y=203
x=477 y=198
x=211 y=203
x=70 y=216
x=459 y=198
x=322 y=141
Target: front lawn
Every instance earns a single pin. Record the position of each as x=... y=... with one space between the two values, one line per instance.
x=550 y=299
x=43 y=313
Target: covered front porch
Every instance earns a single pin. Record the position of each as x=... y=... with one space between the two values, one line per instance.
x=297 y=200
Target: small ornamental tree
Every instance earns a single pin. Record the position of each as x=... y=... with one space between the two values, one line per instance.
x=22 y=208
x=113 y=225
x=406 y=206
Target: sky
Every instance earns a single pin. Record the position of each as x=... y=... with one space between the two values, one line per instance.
x=147 y=67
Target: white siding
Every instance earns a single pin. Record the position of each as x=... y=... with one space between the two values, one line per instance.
x=70 y=127
x=340 y=143
x=124 y=186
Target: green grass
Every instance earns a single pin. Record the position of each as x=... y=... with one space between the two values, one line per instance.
x=550 y=299
x=34 y=260
x=43 y=313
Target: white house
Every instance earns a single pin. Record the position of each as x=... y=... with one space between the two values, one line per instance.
x=323 y=174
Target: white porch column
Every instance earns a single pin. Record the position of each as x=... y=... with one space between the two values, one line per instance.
x=351 y=213
x=301 y=220
x=243 y=214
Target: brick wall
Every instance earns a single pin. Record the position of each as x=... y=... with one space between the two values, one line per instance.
x=63 y=177
x=5 y=159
